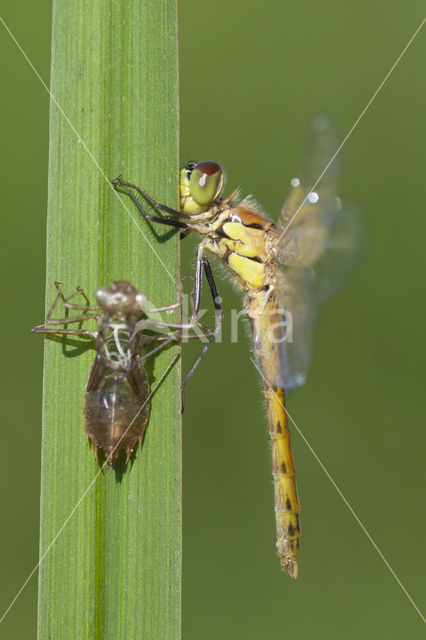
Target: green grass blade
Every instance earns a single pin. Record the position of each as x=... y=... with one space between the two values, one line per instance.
x=114 y=570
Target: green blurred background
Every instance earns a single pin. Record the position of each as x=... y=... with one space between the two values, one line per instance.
x=252 y=75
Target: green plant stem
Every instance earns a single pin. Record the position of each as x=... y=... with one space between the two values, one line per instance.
x=114 y=570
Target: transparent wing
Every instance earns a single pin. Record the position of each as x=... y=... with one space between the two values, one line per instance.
x=343 y=250
x=312 y=204
x=302 y=290
x=296 y=301
x=318 y=248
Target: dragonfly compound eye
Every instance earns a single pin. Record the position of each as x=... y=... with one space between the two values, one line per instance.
x=206 y=182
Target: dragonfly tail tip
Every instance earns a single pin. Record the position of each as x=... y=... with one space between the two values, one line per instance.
x=289 y=565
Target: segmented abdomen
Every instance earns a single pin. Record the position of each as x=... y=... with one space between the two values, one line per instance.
x=115 y=416
x=287 y=506
x=268 y=329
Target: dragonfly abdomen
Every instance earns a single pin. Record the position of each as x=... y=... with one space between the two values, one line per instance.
x=268 y=331
x=287 y=506
x=115 y=416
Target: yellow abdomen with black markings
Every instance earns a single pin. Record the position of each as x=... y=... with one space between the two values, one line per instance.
x=264 y=314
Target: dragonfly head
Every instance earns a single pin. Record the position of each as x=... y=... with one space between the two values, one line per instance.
x=121 y=299
x=200 y=186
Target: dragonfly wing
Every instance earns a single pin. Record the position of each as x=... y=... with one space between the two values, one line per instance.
x=283 y=330
x=297 y=304
x=312 y=204
x=302 y=290
x=97 y=373
x=318 y=245
x=345 y=243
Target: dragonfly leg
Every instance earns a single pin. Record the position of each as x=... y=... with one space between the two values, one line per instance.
x=41 y=328
x=192 y=321
x=78 y=292
x=202 y=262
x=50 y=322
x=126 y=187
x=169 y=307
x=162 y=345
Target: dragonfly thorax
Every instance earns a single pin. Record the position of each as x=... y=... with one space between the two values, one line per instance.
x=116 y=349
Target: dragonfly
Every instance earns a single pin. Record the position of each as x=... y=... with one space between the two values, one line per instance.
x=117 y=395
x=285 y=270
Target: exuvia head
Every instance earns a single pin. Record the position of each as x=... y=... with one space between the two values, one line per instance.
x=200 y=186
x=121 y=298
